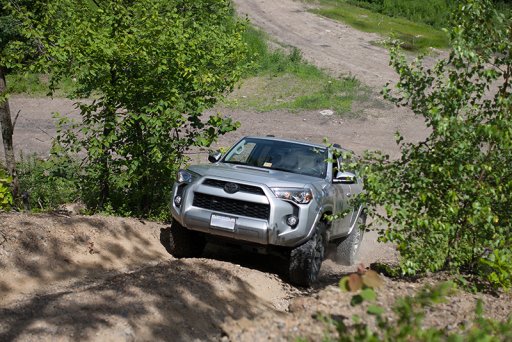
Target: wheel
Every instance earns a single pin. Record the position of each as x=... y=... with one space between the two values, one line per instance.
x=184 y=243
x=347 y=250
x=305 y=260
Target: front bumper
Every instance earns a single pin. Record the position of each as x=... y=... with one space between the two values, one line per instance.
x=255 y=215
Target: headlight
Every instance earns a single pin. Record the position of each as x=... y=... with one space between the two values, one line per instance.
x=301 y=196
x=186 y=176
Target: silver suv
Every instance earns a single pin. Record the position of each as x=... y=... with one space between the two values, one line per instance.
x=274 y=196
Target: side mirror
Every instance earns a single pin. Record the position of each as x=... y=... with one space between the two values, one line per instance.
x=214 y=156
x=345 y=178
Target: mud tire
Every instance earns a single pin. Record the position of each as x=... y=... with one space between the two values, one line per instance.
x=305 y=260
x=347 y=251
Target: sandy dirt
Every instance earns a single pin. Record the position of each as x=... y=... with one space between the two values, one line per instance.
x=67 y=277
x=106 y=278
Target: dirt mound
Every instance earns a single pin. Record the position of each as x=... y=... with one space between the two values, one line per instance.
x=107 y=278
x=41 y=251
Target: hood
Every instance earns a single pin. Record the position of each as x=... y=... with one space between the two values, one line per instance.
x=244 y=174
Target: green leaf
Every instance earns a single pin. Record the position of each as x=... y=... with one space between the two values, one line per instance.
x=368 y=295
x=375 y=310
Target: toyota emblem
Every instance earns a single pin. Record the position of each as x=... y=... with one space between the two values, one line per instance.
x=231 y=188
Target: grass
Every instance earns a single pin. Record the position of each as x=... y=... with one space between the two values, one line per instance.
x=36 y=85
x=280 y=79
x=435 y=13
x=276 y=79
x=416 y=36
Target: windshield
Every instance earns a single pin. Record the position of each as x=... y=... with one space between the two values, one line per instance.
x=279 y=155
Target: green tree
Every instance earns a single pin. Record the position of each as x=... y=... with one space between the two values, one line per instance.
x=10 y=35
x=8 y=32
x=448 y=198
x=152 y=67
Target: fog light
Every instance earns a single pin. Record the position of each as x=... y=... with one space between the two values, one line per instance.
x=292 y=220
x=177 y=200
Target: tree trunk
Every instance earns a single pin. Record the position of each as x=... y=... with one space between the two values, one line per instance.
x=7 y=133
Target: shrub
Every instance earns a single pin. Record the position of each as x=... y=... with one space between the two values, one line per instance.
x=5 y=191
x=407 y=323
x=447 y=199
x=49 y=182
x=434 y=12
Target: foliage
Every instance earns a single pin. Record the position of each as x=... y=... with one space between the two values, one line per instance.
x=8 y=30
x=275 y=79
x=154 y=66
x=37 y=85
x=434 y=12
x=49 y=182
x=407 y=325
x=447 y=199
x=5 y=191
x=414 y=35
x=279 y=79
x=11 y=33
x=364 y=282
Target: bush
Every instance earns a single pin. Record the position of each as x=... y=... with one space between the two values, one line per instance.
x=5 y=191
x=407 y=323
x=49 y=182
x=153 y=68
x=434 y=12
x=447 y=199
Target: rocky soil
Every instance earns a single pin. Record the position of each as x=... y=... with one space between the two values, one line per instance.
x=70 y=277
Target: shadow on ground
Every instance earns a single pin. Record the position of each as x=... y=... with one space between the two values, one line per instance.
x=107 y=278
x=169 y=301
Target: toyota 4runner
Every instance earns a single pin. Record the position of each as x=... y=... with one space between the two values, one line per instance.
x=274 y=195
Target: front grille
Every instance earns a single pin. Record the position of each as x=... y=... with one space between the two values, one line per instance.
x=231 y=206
x=243 y=187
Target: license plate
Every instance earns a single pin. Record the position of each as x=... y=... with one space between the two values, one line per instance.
x=223 y=222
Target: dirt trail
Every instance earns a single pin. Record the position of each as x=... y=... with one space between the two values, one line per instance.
x=326 y=43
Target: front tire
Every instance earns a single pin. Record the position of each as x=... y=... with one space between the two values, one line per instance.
x=305 y=260
x=184 y=243
x=347 y=250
